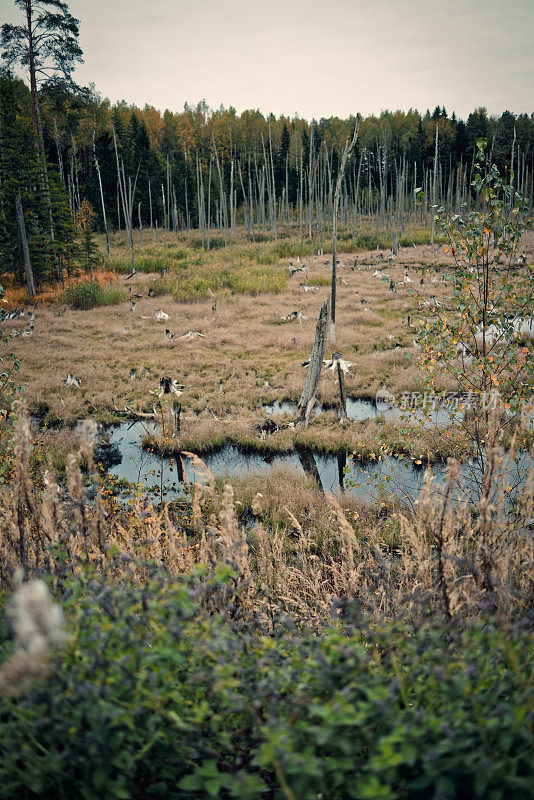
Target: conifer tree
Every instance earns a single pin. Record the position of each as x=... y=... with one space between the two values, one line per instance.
x=46 y=45
x=85 y=218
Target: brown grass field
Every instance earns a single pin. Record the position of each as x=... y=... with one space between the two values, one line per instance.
x=248 y=356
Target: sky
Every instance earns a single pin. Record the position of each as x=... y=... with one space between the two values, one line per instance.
x=314 y=58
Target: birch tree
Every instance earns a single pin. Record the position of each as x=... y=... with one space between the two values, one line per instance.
x=127 y=192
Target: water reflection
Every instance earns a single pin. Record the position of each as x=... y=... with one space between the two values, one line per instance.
x=369 y=481
x=362 y=410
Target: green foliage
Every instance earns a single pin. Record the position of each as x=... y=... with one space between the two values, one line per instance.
x=246 y=269
x=319 y=280
x=90 y=295
x=382 y=241
x=56 y=52
x=491 y=294
x=84 y=219
x=154 y=698
x=235 y=279
x=20 y=174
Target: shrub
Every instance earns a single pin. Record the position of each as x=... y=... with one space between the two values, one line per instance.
x=91 y=295
x=184 y=683
x=153 y=697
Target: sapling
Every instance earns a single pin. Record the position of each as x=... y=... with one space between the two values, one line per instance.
x=475 y=337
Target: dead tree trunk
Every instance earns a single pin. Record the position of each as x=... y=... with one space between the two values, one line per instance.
x=24 y=245
x=307 y=398
x=97 y=165
x=434 y=186
x=224 y=219
x=349 y=147
x=168 y=217
x=337 y=363
x=127 y=193
x=176 y=411
x=341 y=464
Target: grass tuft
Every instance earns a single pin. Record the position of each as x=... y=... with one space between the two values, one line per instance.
x=90 y=295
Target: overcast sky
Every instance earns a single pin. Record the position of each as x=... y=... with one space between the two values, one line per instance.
x=317 y=58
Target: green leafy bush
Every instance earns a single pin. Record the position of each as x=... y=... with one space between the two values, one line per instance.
x=91 y=295
x=154 y=697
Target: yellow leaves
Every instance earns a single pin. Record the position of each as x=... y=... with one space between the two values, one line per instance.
x=84 y=217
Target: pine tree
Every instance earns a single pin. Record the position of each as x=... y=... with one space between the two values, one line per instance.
x=17 y=175
x=46 y=44
x=22 y=196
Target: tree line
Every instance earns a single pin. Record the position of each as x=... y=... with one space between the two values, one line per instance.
x=62 y=145
x=177 y=151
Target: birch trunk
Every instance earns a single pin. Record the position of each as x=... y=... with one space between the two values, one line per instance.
x=101 y=194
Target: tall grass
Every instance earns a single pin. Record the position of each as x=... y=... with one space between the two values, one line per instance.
x=243 y=267
x=90 y=295
x=458 y=558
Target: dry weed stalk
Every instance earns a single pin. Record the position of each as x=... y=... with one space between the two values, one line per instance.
x=460 y=559
x=233 y=540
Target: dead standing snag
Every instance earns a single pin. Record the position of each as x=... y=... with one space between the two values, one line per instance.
x=307 y=398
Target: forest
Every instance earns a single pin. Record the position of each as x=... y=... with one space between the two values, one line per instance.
x=204 y=169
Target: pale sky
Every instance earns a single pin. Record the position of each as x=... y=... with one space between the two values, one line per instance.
x=318 y=58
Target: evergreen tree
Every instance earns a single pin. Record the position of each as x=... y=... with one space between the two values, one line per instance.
x=17 y=176
x=46 y=44
x=477 y=127
x=84 y=219
x=461 y=142
x=105 y=154
x=502 y=144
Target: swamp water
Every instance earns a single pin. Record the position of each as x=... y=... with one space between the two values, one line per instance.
x=362 y=410
x=370 y=481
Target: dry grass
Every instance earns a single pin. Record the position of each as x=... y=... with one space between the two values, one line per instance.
x=17 y=296
x=248 y=356
x=303 y=554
